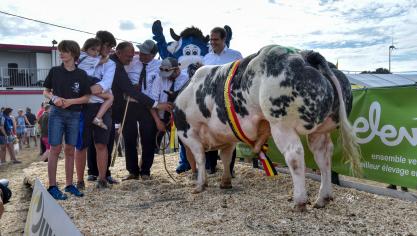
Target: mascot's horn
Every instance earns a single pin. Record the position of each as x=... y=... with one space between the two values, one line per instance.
x=174 y=35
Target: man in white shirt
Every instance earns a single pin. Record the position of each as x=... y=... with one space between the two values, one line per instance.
x=142 y=72
x=220 y=54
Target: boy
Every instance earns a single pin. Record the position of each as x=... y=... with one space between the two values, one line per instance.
x=67 y=87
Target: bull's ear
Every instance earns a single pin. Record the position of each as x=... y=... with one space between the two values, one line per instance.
x=207 y=38
x=174 y=35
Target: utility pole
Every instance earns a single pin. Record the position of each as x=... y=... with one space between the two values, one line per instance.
x=390 y=49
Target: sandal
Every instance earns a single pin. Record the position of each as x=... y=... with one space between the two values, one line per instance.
x=99 y=122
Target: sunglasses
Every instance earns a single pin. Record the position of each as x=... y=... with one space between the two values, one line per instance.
x=167 y=70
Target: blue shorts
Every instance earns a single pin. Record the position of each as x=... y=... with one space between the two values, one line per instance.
x=6 y=139
x=61 y=123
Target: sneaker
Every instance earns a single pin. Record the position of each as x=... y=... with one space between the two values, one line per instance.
x=16 y=161
x=56 y=193
x=391 y=186
x=404 y=189
x=182 y=168
x=99 y=122
x=91 y=178
x=81 y=185
x=73 y=190
x=102 y=184
x=112 y=180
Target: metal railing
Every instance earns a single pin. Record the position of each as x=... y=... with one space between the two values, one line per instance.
x=22 y=77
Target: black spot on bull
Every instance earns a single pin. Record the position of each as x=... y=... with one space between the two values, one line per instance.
x=214 y=84
x=309 y=84
x=274 y=62
x=181 y=121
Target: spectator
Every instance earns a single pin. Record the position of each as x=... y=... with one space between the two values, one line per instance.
x=38 y=116
x=104 y=72
x=122 y=85
x=67 y=88
x=43 y=124
x=5 y=194
x=142 y=71
x=30 y=127
x=89 y=59
x=220 y=54
x=7 y=137
x=21 y=122
x=165 y=89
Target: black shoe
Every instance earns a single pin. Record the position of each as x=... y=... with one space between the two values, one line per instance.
x=391 y=186
x=102 y=184
x=112 y=180
x=211 y=171
x=91 y=178
x=130 y=176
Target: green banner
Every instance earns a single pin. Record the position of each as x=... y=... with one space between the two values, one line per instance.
x=385 y=122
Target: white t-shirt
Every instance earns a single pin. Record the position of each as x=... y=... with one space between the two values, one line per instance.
x=104 y=72
x=88 y=63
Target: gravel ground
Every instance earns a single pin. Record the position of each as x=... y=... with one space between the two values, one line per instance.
x=256 y=205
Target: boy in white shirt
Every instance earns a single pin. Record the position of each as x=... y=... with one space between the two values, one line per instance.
x=88 y=61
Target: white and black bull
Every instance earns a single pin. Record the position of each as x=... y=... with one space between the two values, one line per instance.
x=280 y=92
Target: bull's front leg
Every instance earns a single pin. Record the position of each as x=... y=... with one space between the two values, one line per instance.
x=226 y=156
x=289 y=143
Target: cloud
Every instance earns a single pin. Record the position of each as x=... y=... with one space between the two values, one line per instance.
x=12 y=26
x=126 y=25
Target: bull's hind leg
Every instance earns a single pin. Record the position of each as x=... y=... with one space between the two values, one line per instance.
x=322 y=147
x=226 y=156
x=289 y=143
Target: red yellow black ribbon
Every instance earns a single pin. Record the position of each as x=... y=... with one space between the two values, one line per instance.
x=235 y=125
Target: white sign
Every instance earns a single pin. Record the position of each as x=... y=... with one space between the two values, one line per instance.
x=46 y=217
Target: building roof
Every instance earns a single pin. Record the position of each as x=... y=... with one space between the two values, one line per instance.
x=382 y=80
x=24 y=48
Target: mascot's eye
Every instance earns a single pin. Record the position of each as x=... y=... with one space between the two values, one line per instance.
x=187 y=53
x=195 y=53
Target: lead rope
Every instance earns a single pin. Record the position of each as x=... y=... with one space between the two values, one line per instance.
x=164 y=146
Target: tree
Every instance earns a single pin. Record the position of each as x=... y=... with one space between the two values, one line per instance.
x=377 y=71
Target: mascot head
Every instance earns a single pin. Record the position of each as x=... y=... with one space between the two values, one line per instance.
x=188 y=48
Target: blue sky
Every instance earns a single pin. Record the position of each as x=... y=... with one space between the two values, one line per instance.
x=356 y=33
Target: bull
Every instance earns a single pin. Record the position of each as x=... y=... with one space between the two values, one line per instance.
x=280 y=92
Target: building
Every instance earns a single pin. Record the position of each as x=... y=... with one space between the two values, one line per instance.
x=23 y=68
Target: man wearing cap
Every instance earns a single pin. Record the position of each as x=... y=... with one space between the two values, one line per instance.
x=142 y=71
x=166 y=88
x=219 y=54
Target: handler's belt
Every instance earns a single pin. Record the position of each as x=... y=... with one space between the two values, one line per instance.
x=235 y=125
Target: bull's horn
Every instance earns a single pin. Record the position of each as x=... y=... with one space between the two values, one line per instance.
x=174 y=35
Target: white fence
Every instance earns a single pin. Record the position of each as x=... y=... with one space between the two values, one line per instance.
x=22 y=77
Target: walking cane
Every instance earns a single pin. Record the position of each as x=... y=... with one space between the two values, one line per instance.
x=113 y=160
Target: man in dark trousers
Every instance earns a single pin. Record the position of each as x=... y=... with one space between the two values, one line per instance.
x=123 y=88
x=142 y=71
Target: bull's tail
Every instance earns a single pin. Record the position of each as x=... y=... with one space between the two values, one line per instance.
x=351 y=148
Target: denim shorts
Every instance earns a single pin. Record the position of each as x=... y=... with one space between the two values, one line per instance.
x=6 y=139
x=63 y=122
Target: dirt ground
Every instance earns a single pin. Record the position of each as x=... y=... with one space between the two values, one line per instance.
x=256 y=205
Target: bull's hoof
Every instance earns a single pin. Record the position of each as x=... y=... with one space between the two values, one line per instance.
x=300 y=207
x=321 y=203
x=225 y=186
x=198 y=189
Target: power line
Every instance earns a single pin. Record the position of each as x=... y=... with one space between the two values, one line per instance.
x=55 y=25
